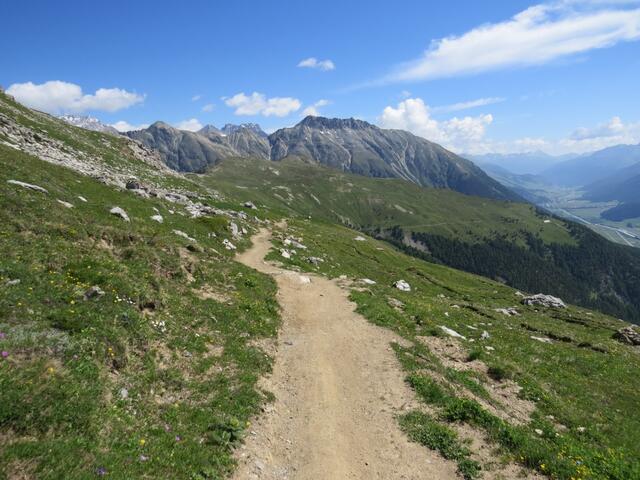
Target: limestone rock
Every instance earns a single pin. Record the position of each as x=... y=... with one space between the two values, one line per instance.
x=28 y=186
x=544 y=301
x=402 y=286
x=119 y=212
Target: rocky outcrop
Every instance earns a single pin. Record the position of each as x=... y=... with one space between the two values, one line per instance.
x=628 y=335
x=543 y=300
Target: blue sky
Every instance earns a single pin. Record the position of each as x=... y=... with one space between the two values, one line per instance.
x=509 y=76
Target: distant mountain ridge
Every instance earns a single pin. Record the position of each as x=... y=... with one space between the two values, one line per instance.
x=590 y=168
x=88 y=123
x=350 y=145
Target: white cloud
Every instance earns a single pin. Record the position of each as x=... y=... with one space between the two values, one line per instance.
x=192 y=125
x=613 y=128
x=259 y=104
x=535 y=36
x=313 y=109
x=208 y=107
x=456 y=133
x=61 y=97
x=469 y=134
x=124 y=126
x=195 y=98
x=313 y=62
x=581 y=140
x=480 y=102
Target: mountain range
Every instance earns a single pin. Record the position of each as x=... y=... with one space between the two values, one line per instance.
x=587 y=169
x=347 y=144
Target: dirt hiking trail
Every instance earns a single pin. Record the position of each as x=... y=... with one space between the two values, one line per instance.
x=338 y=387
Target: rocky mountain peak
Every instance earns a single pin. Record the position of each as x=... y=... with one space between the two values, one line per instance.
x=230 y=128
x=325 y=123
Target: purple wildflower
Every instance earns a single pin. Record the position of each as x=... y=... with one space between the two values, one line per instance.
x=178 y=438
x=2 y=335
x=101 y=471
x=5 y=354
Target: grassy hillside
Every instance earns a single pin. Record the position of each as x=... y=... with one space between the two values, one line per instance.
x=508 y=241
x=561 y=366
x=153 y=377
x=299 y=188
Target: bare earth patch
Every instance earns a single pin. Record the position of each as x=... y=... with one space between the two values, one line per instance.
x=506 y=392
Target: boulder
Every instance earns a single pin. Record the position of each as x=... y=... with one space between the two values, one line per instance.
x=157 y=218
x=315 y=260
x=395 y=303
x=119 y=212
x=402 y=285
x=133 y=185
x=509 y=311
x=228 y=245
x=180 y=233
x=64 y=204
x=628 y=335
x=250 y=205
x=93 y=292
x=451 y=333
x=544 y=301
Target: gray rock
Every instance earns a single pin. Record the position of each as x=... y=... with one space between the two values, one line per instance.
x=93 y=292
x=395 y=303
x=402 y=285
x=509 y=311
x=544 y=301
x=133 y=185
x=628 y=335
x=315 y=260
x=235 y=231
x=157 y=218
x=119 y=212
x=180 y=233
x=250 y=205
x=64 y=204
x=28 y=186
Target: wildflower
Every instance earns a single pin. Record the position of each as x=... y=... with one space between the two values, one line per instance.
x=4 y=354
x=142 y=442
x=101 y=471
x=72 y=302
x=178 y=438
x=51 y=370
x=143 y=458
x=2 y=335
